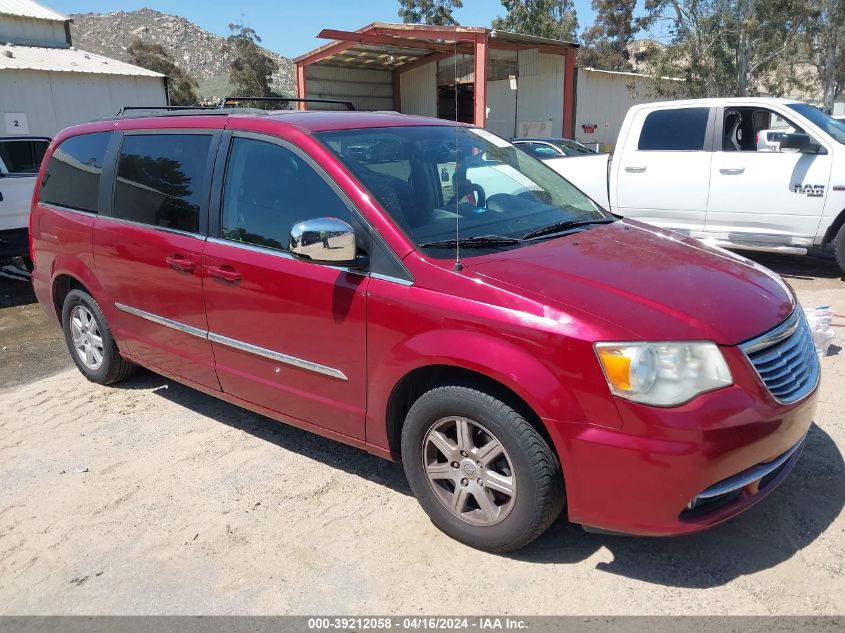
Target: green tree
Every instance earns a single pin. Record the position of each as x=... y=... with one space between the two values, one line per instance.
x=555 y=19
x=606 y=41
x=822 y=44
x=429 y=11
x=725 y=47
x=181 y=87
x=251 y=69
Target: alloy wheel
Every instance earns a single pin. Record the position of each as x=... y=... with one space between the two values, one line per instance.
x=87 y=340
x=469 y=471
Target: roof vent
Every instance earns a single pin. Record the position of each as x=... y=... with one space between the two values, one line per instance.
x=9 y=54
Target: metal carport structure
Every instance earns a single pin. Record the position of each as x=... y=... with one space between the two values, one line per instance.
x=374 y=64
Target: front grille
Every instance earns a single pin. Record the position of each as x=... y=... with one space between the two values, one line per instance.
x=785 y=359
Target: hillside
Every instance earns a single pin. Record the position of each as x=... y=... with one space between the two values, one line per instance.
x=199 y=52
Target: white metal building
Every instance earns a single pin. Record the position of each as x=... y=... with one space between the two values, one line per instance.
x=603 y=99
x=47 y=85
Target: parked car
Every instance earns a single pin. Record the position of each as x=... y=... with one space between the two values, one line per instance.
x=519 y=349
x=698 y=167
x=551 y=147
x=20 y=158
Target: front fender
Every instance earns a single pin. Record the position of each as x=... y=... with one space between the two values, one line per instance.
x=493 y=357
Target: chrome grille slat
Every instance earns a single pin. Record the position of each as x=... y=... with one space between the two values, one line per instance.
x=785 y=359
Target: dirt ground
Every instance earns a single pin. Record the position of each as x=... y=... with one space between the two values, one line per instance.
x=149 y=497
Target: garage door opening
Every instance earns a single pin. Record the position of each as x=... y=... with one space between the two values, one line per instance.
x=466 y=103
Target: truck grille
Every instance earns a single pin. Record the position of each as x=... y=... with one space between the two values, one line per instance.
x=785 y=359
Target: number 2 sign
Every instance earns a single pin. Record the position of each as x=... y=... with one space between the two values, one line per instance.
x=16 y=123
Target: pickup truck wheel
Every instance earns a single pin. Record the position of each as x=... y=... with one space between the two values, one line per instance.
x=483 y=474
x=839 y=248
x=90 y=340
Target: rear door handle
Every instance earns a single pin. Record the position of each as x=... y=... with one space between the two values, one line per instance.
x=181 y=264
x=635 y=170
x=731 y=171
x=226 y=273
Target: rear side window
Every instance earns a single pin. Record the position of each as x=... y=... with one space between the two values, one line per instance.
x=160 y=180
x=23 y=157
x=72 y=178
x=268 y=189
x=676 y=129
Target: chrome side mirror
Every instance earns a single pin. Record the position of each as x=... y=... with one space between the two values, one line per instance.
x=324 y=240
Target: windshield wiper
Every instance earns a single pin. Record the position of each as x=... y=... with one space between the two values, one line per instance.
x=560 y=227
x=479 y=241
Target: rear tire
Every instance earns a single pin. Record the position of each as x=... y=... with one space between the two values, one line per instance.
x=483 y=474
x=839 y=248
x=90 y=342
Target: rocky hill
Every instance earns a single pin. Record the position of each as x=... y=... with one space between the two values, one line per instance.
x=199 y=52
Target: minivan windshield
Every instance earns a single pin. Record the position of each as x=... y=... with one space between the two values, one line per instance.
x=818 y=118
x=440 y=183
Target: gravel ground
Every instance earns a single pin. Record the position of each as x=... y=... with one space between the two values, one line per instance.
x=150 y=497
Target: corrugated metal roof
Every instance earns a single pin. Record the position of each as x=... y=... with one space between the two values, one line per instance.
x=68 y=60
x=29 y=9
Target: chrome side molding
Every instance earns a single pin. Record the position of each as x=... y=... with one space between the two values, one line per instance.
x=234 y=343
x=149 y=316
x=277 y=356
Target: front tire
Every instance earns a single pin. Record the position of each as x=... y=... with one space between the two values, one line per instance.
x=90 y=342
x=839 y=248
x=483 y=474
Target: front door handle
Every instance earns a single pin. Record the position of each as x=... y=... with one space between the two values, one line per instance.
x=635 y=170
x=226 y=273
x=731 y=171
x=180 y=264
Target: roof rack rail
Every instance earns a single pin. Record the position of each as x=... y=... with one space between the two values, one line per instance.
x=228 y=102
x=167 y=108
x=227 y=105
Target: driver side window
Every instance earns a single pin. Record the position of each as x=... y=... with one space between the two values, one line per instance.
x=268 y=189
x=752 y=129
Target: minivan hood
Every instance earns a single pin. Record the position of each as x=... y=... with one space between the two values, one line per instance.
x=655 y=284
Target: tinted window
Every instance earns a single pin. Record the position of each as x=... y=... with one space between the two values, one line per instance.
x=268 y=189
x=22 y=157
x=160 y=180
x=675 y=129
x=72 y=178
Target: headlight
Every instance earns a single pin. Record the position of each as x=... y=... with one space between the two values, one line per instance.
x=663 y=374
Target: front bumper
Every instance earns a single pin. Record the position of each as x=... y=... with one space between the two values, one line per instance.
x=683 y=469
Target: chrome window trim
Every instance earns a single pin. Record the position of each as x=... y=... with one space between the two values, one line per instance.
x=277 y=356
x=154 y=227
x=149 y=316
x=395 y=280
x=265 y=250
x=234 y=343
x=775 y=335
x=57 y=207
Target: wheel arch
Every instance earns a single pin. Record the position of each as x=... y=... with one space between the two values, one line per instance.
x=62 y=285
x=424 y=378
x=833 y=229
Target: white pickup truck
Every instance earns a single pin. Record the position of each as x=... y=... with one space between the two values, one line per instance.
x=747 y=173
x=20 y=158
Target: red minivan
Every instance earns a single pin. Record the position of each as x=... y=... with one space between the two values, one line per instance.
x=425 y=291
